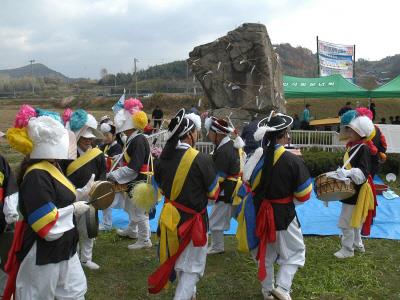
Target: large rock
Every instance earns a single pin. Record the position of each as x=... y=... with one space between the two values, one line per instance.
x=240 y=70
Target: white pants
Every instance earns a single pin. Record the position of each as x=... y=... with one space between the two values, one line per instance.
x=289 y=252
x=107 y=213
x=62 y=281
x=189 y=269
x=85 y=244
x=138 y=219
x=351 y=237
x=220 y=220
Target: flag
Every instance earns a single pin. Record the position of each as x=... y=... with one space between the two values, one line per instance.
x=120 y=104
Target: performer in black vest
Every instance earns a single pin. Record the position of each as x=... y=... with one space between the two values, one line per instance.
x=228 y=162
x=187 y=179
x=43 y=263
x=276 y=181
x=90 y=164
x=355 y=219
x=131 y=121
x=112 y=150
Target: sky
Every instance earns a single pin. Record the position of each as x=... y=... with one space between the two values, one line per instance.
x=80 y=37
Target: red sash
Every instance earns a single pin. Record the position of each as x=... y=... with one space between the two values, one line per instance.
x=1 y=195
x=12 y=265
x=265 y=231
x=194 y=230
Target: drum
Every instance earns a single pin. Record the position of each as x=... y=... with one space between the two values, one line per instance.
x=331 y=189
x=102 y=194
x=92 y=222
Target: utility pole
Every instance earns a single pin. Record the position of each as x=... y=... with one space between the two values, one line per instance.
x=33 y=86
x=187 y=78
x=135 y=60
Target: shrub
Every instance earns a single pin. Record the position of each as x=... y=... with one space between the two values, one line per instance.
x=318 y=161
x=392 y=164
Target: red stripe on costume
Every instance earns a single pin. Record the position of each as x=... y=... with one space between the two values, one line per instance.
x=1 y=195
x=304 y=198
x=45 y=230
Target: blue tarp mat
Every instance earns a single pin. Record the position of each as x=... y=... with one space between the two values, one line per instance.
x=314 y=217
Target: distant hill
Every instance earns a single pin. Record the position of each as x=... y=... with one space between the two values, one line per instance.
x=38 y=70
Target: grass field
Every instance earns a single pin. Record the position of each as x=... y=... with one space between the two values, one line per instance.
x=123 y=273
x=372 y=275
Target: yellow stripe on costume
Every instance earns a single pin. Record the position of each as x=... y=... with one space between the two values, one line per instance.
x=54 y=172
x=82 y=160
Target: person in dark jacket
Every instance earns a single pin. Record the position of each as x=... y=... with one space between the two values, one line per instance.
x=248 y=136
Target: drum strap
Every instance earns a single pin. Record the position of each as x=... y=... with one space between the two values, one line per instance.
x=351 y=157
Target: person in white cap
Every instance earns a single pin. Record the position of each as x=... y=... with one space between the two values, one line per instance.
x=228 y=160
x=276 y=180
x=89 y=161
x=131 y=120
x=111 y=150
x=8 y=205
x=43 y=263
x=358 y=130
x=187 y=179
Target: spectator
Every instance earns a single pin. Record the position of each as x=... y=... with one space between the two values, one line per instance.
x=305 y=122
x=372 y=108
x=383 y=121
x=345 y=108
x=397 y=120
x=391 y=120
x=194 y=110
x=296 y=122
x=157 y=116
x=248 y=136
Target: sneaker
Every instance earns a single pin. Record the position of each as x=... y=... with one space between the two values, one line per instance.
x=91 y=265
x=343 y=253
x=280 y=293
x=268 y=295
x=140 y=245
x=359 y=249
x=211 y=251
x=102 y=227
x=127 y=233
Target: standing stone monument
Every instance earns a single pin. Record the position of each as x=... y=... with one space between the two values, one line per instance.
x=240 y=72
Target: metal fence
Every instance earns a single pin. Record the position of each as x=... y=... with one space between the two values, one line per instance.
x=303 y=139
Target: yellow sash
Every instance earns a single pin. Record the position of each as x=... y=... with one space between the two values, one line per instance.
x=235 y=197
x=82 y=160
x=345 y=158
x=54 y=172
x=106 y=148
x=170 y=217
x=365 y=202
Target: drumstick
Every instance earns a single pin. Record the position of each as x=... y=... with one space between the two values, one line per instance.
x=99 y=198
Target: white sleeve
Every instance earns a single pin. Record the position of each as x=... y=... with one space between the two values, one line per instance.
x=11 y=205
x=357 y=176
x=64 y=223
x=123 y=175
